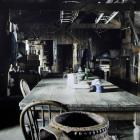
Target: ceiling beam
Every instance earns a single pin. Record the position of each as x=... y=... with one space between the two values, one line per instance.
x=112 y=7
x=95 y=26
x=81 y=7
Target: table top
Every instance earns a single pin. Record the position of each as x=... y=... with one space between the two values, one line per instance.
x=81 y=99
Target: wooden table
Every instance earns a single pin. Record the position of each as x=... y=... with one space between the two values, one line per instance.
x=114 y=103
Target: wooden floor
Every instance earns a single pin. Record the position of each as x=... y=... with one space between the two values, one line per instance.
x=125 y=131
x=11 y=133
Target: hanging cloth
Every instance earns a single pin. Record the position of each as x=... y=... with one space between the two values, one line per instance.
x=85 y=59
x=13 y=46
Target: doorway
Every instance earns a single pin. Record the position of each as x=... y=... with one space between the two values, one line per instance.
x=48 y=52
x=65 y=57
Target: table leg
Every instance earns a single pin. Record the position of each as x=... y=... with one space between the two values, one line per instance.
x=136 y=131
x=105 y=75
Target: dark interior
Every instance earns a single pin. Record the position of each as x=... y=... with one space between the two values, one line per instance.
x=38 y=40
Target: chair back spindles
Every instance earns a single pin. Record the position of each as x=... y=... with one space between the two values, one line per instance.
x=37 y=115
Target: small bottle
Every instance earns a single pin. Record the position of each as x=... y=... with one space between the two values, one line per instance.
x=79 y=70
x=86 y=73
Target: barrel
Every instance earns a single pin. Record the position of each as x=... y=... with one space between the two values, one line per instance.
x=82 y=126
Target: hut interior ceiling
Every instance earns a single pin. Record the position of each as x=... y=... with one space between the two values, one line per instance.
x=37 y=16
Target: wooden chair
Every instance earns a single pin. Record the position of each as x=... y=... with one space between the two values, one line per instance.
x=24 y=87
x=37 y=115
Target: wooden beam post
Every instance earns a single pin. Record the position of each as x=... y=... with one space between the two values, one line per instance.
x=4 y=52
x=75 y=62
